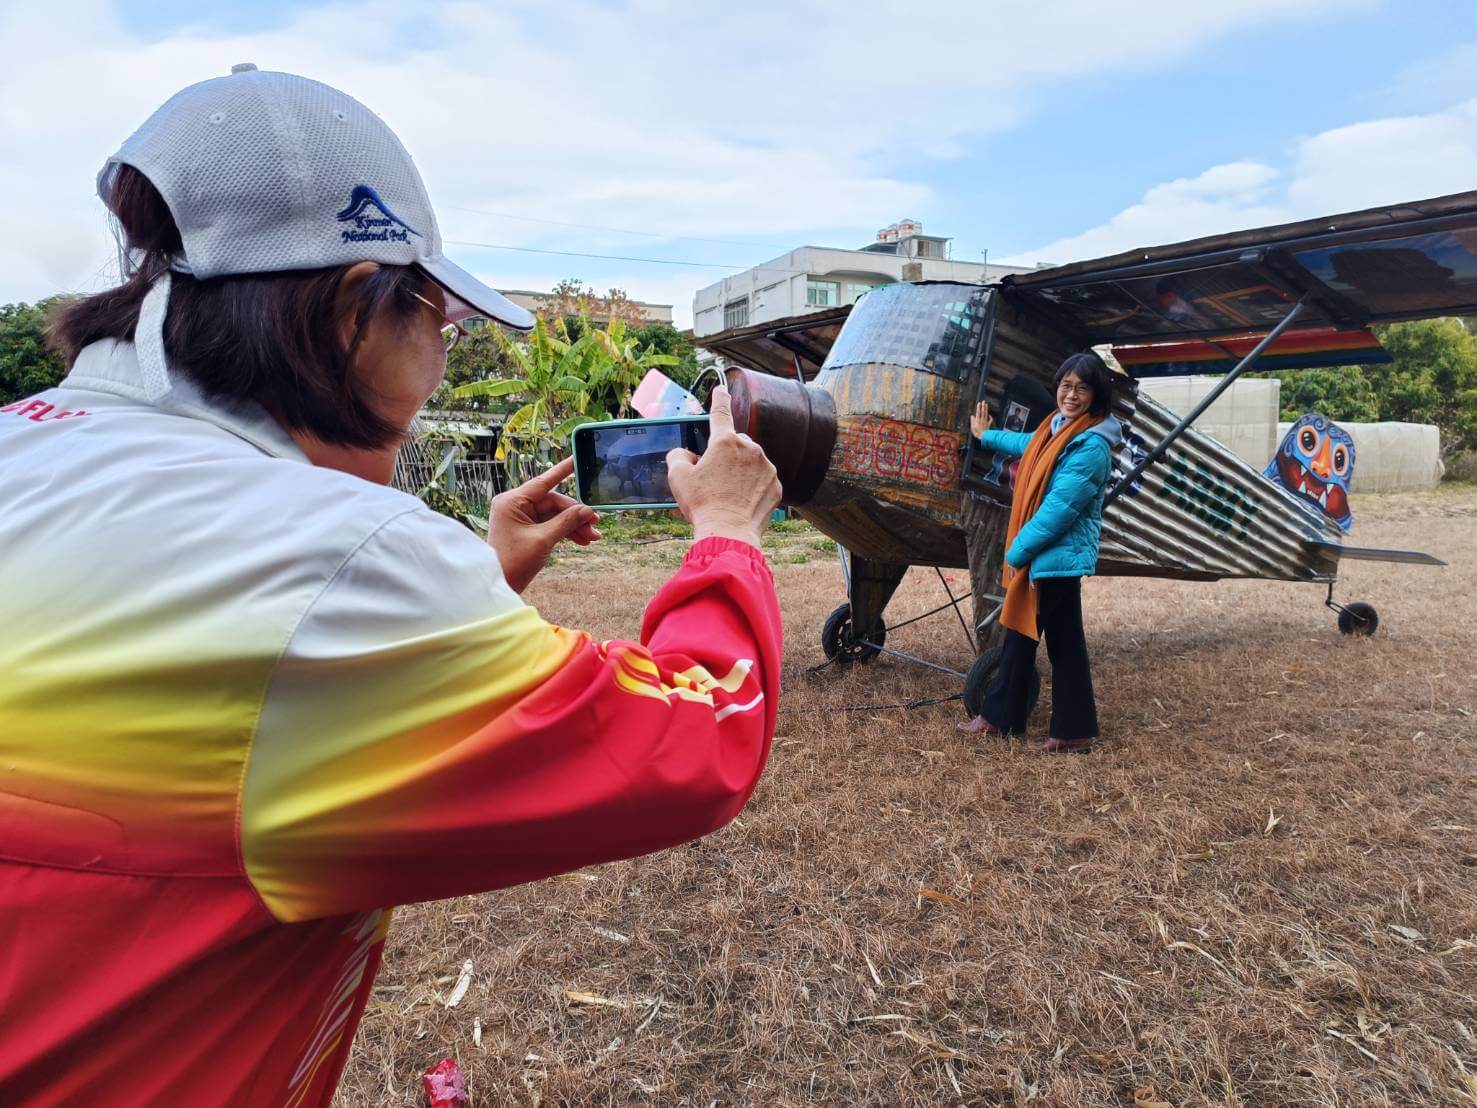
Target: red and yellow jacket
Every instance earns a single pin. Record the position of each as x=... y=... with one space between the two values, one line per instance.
x=247 y=705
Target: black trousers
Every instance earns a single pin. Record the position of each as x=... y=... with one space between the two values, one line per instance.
x=1073 y=709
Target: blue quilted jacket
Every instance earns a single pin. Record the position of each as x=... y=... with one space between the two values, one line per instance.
x=1061 y=539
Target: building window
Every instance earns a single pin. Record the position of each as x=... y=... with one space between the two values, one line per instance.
x=926 y=249
x=822 y=294
x=855 y=292
x=736 y=313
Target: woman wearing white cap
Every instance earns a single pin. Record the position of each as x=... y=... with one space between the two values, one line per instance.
x=252 y=698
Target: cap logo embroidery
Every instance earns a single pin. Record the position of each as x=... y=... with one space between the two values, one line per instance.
x=372 y=219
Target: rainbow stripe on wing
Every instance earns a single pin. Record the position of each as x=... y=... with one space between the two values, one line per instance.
x=1310 y=349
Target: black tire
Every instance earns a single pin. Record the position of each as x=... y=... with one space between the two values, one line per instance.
x=1358 y=618
x=838 y=638
x=977 y=683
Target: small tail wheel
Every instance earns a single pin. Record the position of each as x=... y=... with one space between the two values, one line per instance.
x=982 y=673
x=1358 y=618
x=841 y=642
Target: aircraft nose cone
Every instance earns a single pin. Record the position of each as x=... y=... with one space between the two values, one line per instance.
x=795 y=425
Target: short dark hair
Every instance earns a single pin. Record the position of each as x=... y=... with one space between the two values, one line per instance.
x=1093 y=373
x=269 y=337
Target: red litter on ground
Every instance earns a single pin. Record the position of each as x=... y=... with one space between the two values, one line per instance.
x=445 y=1086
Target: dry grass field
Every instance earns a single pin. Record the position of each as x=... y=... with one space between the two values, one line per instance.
x=1260 y=890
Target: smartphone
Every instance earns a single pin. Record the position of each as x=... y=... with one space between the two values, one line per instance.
x=622 y=463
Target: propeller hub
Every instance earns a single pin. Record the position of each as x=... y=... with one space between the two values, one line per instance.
x=795 y=425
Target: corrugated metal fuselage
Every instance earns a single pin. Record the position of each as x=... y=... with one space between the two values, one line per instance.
x=900 y=488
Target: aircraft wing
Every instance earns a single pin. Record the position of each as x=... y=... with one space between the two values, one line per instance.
x=777 y=346
x=1206 y=297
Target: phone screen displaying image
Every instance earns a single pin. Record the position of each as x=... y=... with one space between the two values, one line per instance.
x=623 y=463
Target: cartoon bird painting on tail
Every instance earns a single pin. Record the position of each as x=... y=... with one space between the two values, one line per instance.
x=1316 y=463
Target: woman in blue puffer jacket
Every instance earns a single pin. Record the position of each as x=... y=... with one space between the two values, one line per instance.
x=1052 y=543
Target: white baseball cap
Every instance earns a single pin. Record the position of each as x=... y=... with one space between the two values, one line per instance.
x=265 y=172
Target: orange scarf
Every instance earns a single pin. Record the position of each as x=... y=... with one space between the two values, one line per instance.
x=1032 y=479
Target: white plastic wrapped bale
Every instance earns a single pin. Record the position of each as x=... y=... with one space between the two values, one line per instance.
x=1391 y=457
x=1244 y=418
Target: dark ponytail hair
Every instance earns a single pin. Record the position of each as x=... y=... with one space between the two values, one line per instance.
x=1092 y=372
x=273 y=338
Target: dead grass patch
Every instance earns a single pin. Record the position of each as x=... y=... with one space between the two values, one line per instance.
x=1259 y=890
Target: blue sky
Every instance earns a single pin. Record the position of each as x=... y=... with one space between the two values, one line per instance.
x=1096 y=144
x=1042 y=132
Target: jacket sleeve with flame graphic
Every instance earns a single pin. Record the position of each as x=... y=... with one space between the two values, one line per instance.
x=422 y=740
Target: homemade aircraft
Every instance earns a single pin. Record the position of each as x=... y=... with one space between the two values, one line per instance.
x=875 y=448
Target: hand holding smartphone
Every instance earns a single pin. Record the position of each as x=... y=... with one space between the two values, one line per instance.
x=726 y=487
x=621 y=464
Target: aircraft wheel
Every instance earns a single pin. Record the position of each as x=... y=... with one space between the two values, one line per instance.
x=839 y=642
x=1358 y=618
x=977 y=683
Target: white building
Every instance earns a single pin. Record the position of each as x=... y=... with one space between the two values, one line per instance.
x=812 y=278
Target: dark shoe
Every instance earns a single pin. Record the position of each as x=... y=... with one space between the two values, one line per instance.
x=981 y=726
x=1065 y=746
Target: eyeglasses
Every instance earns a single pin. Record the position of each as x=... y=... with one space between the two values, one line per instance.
x=1079 y=388
x=452 y=332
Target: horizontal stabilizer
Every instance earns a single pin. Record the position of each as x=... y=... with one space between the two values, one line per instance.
x=1377 y=554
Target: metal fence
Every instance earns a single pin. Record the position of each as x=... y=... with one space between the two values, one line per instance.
x=476 y=482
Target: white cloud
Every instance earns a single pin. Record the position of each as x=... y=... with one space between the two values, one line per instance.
x=768 y=120
x=1385 y=161
x=1444 y=79
x=1382 y=161
x=1222 y=198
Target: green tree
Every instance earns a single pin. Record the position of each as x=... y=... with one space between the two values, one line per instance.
x=660 y=337
x=577 y=303
x=550 y=391
x=614 y=378
x=1432 y=380
x=481 y=356
x=1339 y=392
x=558 y=384
x=580 y=307
x=570 y=312
x=26 y=367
